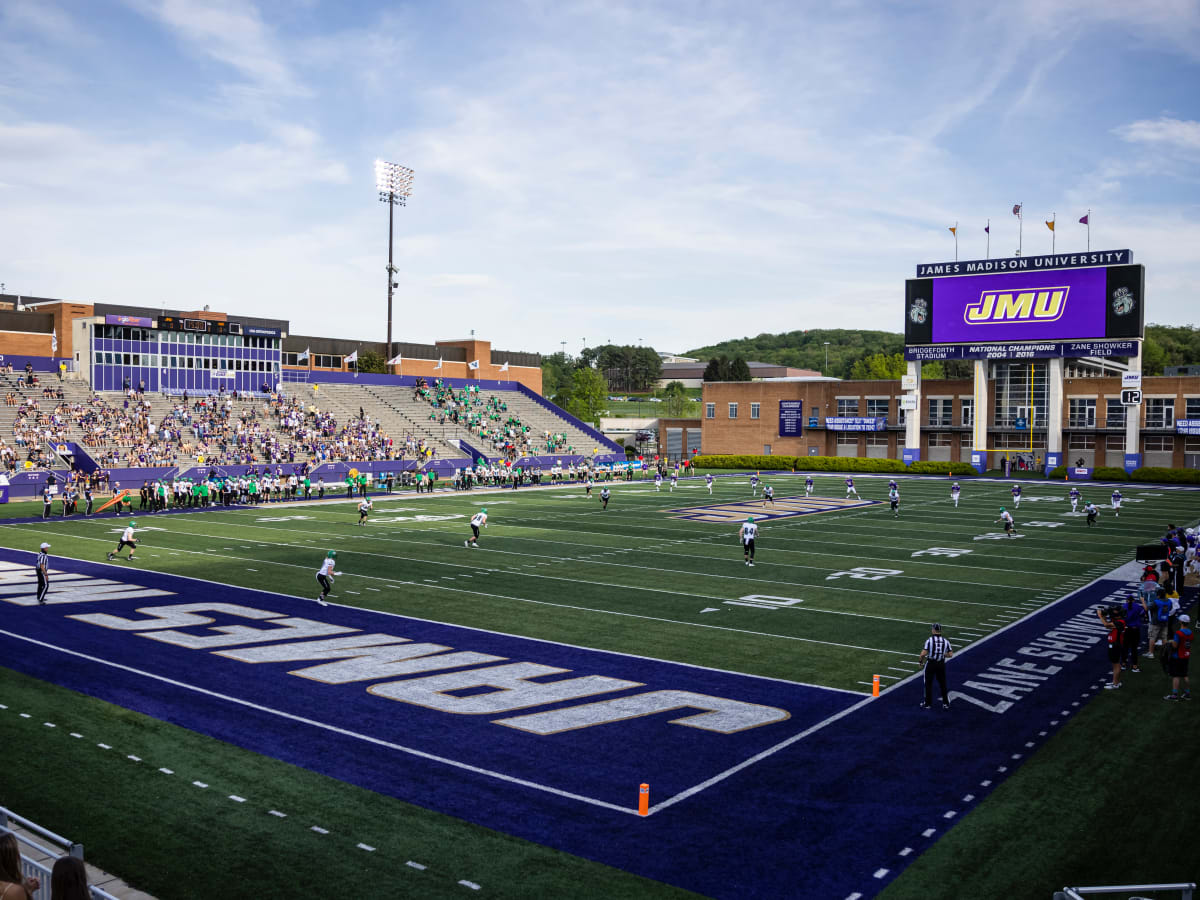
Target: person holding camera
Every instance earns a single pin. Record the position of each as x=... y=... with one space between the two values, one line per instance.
x=1113 y=618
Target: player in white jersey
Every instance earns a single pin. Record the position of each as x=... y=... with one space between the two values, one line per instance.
x=588 y=485
x=747 y=534
x=1116 y=503
x=850 y=489
x=604 y=495
x=1074 y=495
x=768 y=495
x=1009 y=525
x=754 y=485
x=658 y=481
x=808 y=486
x=325 y=576
x=708 y=480
x=674 y=480
x=479 y=520
x=955 y=490
x=1092 y=512
x=127 y=540
x=1016 y=495
x=894 y=500
x=364 y=509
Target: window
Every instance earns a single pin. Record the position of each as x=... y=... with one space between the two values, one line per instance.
x=1160 y=412
x=877 y=407
x=941 y=412
x=733 y=410
x=1192 y=407
x=939 y=439
x=325 y=361
x=847 y=438
x=1082 y=442
x=968 y=412
x=847 y=407
x=1114 y=415
x=1191 y=445
x=877 y=438
x=1081 y=412
x=710 y=409
x=291 y=359
x=754 y=410
x=1159 y=443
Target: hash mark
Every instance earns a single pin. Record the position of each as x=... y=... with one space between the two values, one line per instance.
x=879 y=873
x=236 y=799
x=166 y=771
x=76 y=734
x=276 y=812
x=366 y=847
x=319 y=830
x=928 y=832
x=200 y=784
x=415 y=865
x=104 y=746
x=906 y=851
x=472 y=885
x=49 y=724
x=134 y=758
x=950 y=814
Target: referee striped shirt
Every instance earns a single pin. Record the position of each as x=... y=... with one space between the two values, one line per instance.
x=937 y=647
x=43 y=562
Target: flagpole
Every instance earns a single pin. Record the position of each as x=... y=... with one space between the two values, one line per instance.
x=956 y=240
x=1020 y=229
x=1053 y=231
x=988 y=231
x=1089 y=230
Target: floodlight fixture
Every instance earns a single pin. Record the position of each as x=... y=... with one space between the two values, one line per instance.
x=394 y=183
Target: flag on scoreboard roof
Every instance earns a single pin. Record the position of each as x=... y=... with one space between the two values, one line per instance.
x=1017 y=209
x=1084 y=220
x=1050 y=224
x=473 y=365
x=988 y=228
x=954 y=230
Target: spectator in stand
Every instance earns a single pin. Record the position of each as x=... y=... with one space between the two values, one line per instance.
x=14 y=885
x=68 y=879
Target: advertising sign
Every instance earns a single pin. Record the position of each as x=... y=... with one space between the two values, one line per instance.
x=791 y=418
x=1132 y=381
x=908 y=402
x=911 y=455
x=908 y=382
x=1187 y=426
x=856 y=423
x=138 y=321
x=1042 y=305
x=256 y=331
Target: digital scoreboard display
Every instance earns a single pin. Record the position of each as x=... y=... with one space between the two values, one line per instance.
x=197 y=326
x=1042 y=305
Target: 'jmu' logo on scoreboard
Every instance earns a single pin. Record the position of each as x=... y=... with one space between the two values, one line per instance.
x=782 y=508
x=1002 y=307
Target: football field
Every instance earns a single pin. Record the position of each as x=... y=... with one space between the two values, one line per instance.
x=465 y=721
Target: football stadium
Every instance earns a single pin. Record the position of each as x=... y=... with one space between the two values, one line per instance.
x=294 y=601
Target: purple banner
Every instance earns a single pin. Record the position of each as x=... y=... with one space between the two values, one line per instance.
x=1020 y=306
x=139 y=321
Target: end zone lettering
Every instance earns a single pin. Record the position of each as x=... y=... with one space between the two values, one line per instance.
x=377 y=657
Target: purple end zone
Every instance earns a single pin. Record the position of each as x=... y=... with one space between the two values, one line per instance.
x=819 y=804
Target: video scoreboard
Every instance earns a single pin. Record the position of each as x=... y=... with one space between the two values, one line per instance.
x=198 y=326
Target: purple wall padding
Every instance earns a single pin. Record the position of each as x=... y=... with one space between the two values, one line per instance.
x=41 y=364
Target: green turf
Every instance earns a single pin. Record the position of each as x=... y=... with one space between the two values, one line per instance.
x=633 y=578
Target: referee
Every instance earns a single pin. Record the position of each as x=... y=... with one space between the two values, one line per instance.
x=43 y=573
x=933 y=657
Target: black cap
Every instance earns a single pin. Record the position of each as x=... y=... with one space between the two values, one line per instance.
x=936 y=627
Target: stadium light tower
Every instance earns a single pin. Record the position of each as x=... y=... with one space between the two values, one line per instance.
x=394 y=183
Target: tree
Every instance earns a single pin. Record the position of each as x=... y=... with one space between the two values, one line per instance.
x=717 y=369
x=879 y=366
x=557 y=370
x=676 y=397
x=589 y=394
x=738 y=370
x=370 y=361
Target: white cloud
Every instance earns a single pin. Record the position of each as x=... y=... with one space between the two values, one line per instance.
x=1163 y=132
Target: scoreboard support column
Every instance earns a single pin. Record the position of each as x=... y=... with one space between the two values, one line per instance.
x=1054 y=407
x=979 y=415
x=1133 y=420
x=912 y=421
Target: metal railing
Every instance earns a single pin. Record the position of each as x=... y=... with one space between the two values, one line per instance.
x=30 y=867
x=1078 y=893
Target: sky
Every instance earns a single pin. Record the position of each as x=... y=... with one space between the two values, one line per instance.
x=674 y=174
